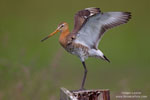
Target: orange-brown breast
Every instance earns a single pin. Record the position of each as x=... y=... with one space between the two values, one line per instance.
x=63 y=37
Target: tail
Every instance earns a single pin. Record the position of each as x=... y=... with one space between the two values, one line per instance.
x=105 y=58
x=97 y=54
x=102 y=56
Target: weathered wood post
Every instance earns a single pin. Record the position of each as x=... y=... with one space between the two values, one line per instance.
x=99 y=94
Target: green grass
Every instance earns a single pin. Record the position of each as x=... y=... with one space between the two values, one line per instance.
x=31 y=70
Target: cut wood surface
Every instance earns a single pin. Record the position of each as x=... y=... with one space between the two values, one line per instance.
x=98 y=94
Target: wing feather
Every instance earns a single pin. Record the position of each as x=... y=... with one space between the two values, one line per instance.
x=95 y=26
x=81 y=17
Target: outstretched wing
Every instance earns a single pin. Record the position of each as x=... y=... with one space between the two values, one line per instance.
x=93 y=28
x=81 y=17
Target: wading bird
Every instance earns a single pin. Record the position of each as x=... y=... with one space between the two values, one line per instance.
x=90 y=25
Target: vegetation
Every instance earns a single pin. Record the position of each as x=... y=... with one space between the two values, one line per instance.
x=31 y=70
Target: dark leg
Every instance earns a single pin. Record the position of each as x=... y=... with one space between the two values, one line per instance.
x=84 y=77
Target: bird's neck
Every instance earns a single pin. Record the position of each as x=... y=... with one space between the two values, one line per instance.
x=63 y=37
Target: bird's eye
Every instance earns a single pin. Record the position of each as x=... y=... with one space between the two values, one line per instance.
x=62 y=25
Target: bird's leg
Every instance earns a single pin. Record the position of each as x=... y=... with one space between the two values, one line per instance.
x=84 y=77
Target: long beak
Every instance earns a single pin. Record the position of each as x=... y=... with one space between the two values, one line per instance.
x=57 y=30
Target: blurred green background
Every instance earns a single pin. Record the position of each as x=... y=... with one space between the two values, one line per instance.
x=31 y=70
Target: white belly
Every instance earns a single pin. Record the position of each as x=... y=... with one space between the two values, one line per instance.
x=78 y=50
x=83 y=52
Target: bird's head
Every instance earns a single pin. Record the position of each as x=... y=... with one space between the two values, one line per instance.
x=61 y=28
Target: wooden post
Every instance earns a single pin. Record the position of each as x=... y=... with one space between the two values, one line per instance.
x=99 y=94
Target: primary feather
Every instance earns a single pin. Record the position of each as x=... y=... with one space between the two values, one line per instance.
x=96 y=23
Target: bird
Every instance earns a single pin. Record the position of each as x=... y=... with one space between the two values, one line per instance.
x=90 y=24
